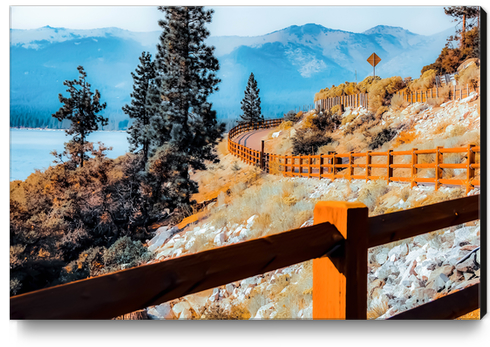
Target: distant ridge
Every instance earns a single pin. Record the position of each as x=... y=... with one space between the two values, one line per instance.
x=290 y=65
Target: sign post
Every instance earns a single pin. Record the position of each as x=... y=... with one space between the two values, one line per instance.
x=374 y=60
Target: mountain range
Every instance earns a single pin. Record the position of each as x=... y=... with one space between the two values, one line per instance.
x=290 y=65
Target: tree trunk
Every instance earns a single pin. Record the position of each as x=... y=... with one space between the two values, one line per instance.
x=463 y=30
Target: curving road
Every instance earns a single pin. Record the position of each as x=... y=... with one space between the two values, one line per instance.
x=252 y=139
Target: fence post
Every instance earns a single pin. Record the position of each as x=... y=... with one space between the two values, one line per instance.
x=351 y=163
x=340 y=278
x=368 y=163
x=261 y=157
x=470 y=172
x=310 y=159
x=439 y=160
x=390 y=169
x=320 y=169
x=333 y=164
x=413 y=175
x=437 y=91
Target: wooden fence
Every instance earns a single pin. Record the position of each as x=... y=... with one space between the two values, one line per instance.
x=360 y=165
x=338 y=243
x=353 y=100
x=456 y=92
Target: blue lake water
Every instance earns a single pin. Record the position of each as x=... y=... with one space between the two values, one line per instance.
x=30 y=149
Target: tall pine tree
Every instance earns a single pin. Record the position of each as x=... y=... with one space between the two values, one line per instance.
x=140 y=132
x=185 y=77
x=81 y=108
x=251 y=102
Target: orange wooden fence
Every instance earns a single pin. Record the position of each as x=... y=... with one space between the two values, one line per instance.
x=338 y=243
x=456 y=92
x=360 y=165
x=353 y=100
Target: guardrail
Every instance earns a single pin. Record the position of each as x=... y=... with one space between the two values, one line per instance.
x=338 y=244
x=360 y=165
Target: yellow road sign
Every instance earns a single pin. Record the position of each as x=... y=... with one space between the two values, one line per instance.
x=374 y=59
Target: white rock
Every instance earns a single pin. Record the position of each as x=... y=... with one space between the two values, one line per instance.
x=219 y=239
x=179 y=309
x=248 y=291
x=163 y=311
x=264 y=312
x=165 y=253
x=276 y=134
x=162 y=235
x=381 y=258
x=230 y=288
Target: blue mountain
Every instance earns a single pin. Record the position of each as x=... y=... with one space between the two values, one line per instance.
x=290 y=65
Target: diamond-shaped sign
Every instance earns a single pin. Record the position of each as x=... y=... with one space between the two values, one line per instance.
x=374 y=59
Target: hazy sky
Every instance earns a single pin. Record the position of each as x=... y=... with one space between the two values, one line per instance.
x=237 y=20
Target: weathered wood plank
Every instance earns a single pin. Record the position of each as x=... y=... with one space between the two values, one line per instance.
x=448 y=307
x=129 y=290
x=416 y=221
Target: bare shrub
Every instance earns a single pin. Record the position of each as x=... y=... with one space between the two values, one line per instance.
x=398 y=102
x=306 y=141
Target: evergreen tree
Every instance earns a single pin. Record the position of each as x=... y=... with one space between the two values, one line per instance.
x=140 y=134
x=464 y=15
x=185 y=76
x=251 y=102
x=81 y=109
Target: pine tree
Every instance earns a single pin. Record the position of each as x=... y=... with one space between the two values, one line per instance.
x=464 y=15
x=81 y=109
x=140 y=132
x=185 y=76
x=251 y=102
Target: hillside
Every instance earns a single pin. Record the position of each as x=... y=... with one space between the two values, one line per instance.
x=290 y=65
x=401 y=275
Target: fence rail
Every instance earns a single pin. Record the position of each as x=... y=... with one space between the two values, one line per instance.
x=360 y=165
x=337 y=243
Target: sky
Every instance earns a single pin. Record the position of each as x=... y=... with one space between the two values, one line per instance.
x=237 y=20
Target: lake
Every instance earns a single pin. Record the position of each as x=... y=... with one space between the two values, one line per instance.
x=30 y=148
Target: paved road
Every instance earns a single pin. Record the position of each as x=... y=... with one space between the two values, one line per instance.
x=252 y=139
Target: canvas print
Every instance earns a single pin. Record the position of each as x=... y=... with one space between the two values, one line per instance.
x=237 y=163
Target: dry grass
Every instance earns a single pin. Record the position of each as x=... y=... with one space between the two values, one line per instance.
x=470 y=76
x=349 y=118
x=377 y=310
x=443 y=97
x=398 y=102
x=474 y=315
x=425 y=81
x=222 y=147
x=279 y=205
x=404 y=137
